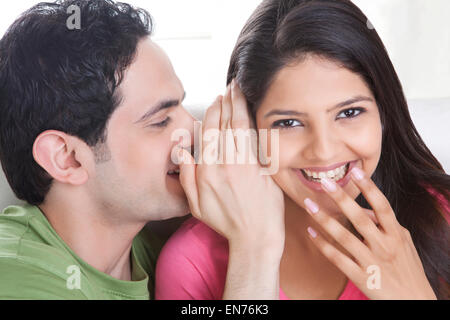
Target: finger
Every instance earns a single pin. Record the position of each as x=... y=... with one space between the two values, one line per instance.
x=244 y=138
x=227 y=148
x=340 y=260
x=188 y=180
x=376 y=199
x=371 y=215
x=240 y=118
x=210 y=133
x=339 y=233
x=357 y=216
x=227 y=110
x=212 y=115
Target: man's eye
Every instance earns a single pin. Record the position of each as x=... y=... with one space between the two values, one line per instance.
x=286 y=124
x=350 y=113
x=162 y=124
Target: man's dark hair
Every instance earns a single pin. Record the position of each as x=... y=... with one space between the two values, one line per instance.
x=53 y=77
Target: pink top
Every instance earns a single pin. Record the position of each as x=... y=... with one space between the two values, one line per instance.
x=193 y=264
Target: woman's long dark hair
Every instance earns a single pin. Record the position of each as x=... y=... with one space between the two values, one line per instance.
x=283 y=31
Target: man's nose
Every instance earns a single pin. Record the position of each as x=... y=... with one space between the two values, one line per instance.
x=187 y=122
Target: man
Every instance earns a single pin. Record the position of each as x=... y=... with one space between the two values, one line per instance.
x=85 y=139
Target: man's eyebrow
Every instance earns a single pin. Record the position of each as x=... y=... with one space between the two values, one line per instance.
x=164 y=104
x=355 y=99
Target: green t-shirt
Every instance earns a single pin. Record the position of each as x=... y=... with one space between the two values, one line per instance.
x=35 y=263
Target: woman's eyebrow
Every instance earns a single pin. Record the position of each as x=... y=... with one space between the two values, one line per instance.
x=350 y=101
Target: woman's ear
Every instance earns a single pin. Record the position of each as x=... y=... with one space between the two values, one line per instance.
x=61 y=155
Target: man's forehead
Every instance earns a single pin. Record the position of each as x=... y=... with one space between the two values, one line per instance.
x=150 y=61
x=150 y=78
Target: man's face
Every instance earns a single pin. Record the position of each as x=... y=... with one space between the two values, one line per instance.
x=135 y=182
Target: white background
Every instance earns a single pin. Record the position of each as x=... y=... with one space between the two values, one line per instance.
x=199 y=35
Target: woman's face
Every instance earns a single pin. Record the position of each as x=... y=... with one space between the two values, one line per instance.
x=328 y=122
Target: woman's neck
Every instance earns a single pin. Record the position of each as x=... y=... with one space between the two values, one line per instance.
x=305 y=273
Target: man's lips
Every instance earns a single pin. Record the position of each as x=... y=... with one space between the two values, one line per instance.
x=175 y=171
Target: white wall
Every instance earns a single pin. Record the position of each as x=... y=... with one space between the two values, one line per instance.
x=199 y=35
x=417 y=36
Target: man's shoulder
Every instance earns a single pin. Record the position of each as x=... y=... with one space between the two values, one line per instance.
x=23 y=278
x=26 y=235
x=33 y=265
x=14 y=220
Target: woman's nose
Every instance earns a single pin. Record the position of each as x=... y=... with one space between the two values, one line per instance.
x=322 y=146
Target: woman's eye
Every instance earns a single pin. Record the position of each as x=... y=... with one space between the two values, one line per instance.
x=162 y=124
x=288 y=123
x=350 y=113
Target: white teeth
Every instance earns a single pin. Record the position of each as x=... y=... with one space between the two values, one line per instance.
x=335 y=174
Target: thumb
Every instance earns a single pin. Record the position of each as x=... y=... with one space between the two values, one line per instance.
x=188 y=179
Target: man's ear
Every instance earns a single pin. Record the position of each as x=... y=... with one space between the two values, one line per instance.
x=63 y=156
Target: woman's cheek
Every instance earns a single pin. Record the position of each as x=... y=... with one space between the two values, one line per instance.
x=365 y=140
x=288 y=157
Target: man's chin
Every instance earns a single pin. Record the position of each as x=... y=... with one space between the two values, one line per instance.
x=178 y=208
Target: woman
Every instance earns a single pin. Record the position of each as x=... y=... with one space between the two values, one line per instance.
x=366 y=203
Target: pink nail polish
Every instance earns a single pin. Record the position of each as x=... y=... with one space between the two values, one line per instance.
x=357 y=173
x=312 y=232
x=311 y=205
x=328 y=184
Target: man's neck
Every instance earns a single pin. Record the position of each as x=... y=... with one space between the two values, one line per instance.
x=103 y=243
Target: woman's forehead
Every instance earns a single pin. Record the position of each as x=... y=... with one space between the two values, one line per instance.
x=314 y=83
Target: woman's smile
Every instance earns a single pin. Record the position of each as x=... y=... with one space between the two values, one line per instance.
x=338 y=172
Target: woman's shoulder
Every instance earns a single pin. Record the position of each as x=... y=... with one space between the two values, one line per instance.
x=194 y=232
x=198 y=245
x=192 y=263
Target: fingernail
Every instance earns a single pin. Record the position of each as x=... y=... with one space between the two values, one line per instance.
x=233 y=83
x=180 y=157
x=357 y=173
x=312 y=232
x=329 y=184
x=311 y=205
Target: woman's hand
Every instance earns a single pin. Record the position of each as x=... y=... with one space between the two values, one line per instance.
x=234 y=199
x=386 y=264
